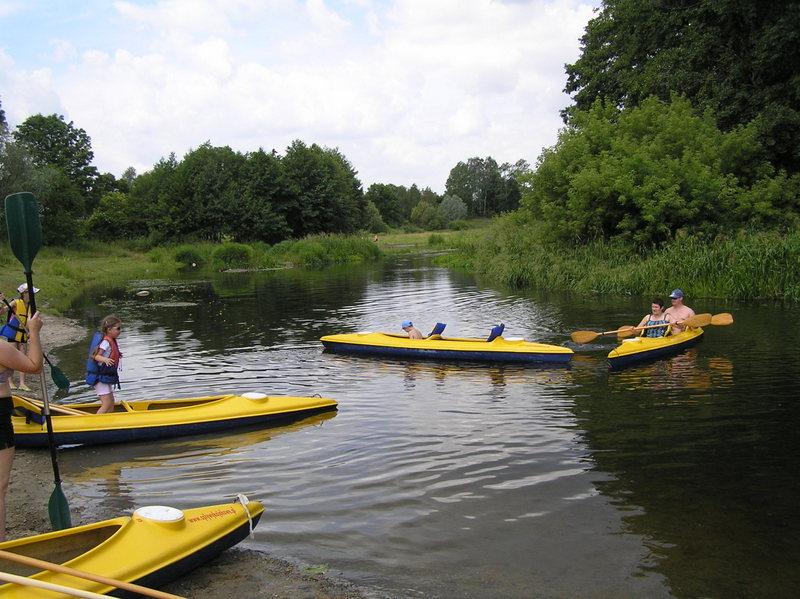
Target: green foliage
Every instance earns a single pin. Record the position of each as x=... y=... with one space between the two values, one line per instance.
x=436 y=240
x=233 y=255
x=320 y=251
x=116 y=217
x=373 y=220
x=514 y=252
x=453 y=208
x=458 y=225
x=427 y=216
x=485 y=187
x=649 y=174
x=188 y=256
x=738 y=58
x=386 y=198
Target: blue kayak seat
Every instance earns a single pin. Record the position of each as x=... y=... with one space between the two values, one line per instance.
x=496 y=332
x=438 y=329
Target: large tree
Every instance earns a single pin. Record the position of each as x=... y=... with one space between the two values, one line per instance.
x=739 y=58
x=52 y=142
x=483 y=186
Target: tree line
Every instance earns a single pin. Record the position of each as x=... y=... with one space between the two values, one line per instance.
x=685 y=120
x=217 y=193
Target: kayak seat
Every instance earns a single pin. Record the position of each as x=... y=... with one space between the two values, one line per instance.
x=438 y=329
x=29 y=415
x=496 y=332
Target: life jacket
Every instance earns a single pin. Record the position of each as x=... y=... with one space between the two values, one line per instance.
x=97 y=372
x=14 y=329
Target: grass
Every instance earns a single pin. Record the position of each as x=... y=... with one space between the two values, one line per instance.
x=745 y=266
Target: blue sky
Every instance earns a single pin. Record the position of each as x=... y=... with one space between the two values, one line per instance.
x=404 y=88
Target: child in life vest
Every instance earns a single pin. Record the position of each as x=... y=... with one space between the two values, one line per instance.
x=102 y=369
x=14 y=329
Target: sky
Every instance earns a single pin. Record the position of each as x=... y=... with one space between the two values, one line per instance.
x=405 y=89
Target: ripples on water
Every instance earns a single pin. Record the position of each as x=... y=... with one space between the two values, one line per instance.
x=433 y=479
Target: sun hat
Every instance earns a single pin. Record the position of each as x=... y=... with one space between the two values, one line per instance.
x=406 y=323
x=24 y=287
x=676 y=294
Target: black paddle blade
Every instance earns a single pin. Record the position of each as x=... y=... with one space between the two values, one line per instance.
x=58 y=510
x=59 y=378
x=24 y=227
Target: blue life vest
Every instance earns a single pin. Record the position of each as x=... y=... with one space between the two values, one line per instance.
x=657 y=332
x=97 y=372
x=13 y=331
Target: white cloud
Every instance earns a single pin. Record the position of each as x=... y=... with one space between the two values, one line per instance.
x=404 y=91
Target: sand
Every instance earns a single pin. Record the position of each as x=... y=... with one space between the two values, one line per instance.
x=239 y=573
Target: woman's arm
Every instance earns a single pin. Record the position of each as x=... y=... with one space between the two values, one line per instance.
x=31 y=362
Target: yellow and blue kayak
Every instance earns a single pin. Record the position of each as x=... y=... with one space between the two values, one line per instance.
x=158 y=419
x=151 y=547
x=641 y=349
x=436 y=347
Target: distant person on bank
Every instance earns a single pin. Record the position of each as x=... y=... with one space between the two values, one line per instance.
x=14 y=330
x=678 y=311
x=413 y=332
x=12 y=359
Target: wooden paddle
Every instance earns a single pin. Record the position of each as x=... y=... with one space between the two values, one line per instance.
x=57 y=408
x=25 y=238
x=589 y=336
x=120 y=584
x=698 y=320
x=722 y=319
x=49 y=586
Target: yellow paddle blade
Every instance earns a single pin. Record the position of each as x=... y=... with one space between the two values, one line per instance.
x=698 y=320
x=626 y=331
x=722 y=319
x=584 y=336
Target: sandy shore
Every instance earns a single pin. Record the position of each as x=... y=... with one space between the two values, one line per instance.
x=239 y=573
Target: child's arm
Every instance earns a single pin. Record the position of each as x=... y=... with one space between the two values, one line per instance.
x=99 y=357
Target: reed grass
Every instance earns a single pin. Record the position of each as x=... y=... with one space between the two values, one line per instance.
x=746 y=266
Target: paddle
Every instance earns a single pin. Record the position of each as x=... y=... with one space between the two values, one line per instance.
x=25 y=238
x=589 y=336
x=120 y=584
x=48 y=586
x=59 y=378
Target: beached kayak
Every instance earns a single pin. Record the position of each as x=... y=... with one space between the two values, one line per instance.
x=158 y=419
x=447 y=348
x=151 y=547
x=640 y=349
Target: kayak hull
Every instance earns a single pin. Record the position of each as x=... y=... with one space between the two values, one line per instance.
x=454 y=348
x=140 y=549
x=159 y=419
x=644 y=349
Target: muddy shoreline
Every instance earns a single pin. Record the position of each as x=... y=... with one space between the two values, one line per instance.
x=240 y=572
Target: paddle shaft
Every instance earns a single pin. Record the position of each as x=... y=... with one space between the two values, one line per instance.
x=62 y=409
x=49 y=586
x=120 y=584
x=698 y=320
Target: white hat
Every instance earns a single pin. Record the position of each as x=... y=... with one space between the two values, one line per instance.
x=24 y=287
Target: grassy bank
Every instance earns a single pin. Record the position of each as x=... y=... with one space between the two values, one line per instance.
x=748 y=266
x=62 y=274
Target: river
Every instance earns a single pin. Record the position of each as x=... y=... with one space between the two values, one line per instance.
x=676 y=478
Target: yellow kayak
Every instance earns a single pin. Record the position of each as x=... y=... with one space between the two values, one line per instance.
x=640 y=349
x=500 y=349
x=153 y=546
x=157 y=419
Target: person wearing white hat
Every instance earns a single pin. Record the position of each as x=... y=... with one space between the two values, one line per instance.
x=19 y=313
x=677 y=312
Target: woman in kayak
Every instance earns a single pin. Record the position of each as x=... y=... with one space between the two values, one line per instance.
x=12 y=359
x=656 y=317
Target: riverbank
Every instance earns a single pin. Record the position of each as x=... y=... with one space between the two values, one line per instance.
x=238 y=572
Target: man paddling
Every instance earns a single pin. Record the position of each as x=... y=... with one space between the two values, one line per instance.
x=677 y=312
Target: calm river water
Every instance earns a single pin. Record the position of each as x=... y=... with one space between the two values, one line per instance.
x=677 y=478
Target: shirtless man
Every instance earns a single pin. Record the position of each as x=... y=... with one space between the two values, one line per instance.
x=413 y=332
x=677 y=312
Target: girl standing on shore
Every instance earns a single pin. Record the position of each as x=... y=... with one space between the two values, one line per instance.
x=102 y=368
x=12 y=359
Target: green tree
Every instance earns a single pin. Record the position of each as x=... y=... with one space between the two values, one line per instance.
x=373 y=221
x=741 y=59
x=52 y=142
x=3 y=124
x=480 y=184
x=452 y=208
x=267 y=200
x=116 y=217
x=387 y=199
x=645 y=174
x=427 y=216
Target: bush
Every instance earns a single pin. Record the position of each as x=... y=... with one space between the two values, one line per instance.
x=458 y=225
x=188 y=256
x=232 y=255
x=435 y=239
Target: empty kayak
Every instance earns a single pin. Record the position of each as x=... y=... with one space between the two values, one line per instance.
x=436 y=347
x=641 y=349
x=157 y=419
x=151 y=547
